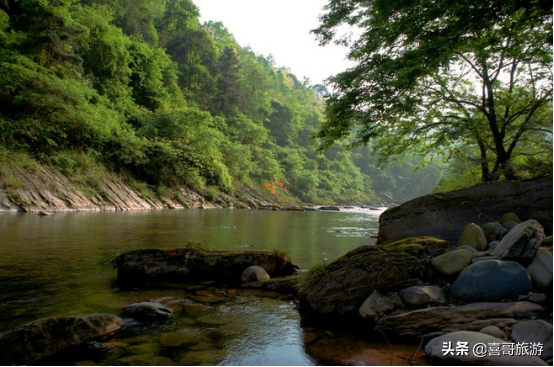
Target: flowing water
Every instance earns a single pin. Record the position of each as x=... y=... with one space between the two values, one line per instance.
x=60 y=265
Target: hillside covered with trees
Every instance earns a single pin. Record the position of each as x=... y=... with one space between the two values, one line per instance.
x=142 y=90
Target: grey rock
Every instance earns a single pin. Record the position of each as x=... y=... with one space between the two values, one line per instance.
x=43 y=338
x=147 y=311
x=521 y=243
x=491 y=246
x=473 y=236
x=435 y=349
x=329 y=208
x=452 y=262
x=483 y=256
x=254 y=273
x=534 y=331
x=494 y=331
x=537 y=297
x=494 y=231
x=378 y=304
x=433 y=321
x=491 y=280
x=421 y=296
x=540 y=270
x=444 y=215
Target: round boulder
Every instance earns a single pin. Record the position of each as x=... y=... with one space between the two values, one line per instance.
x=509 y=217
x=491 y=280
x=422 y=295
x=253 y=274
x=473 y=236
x=452 y=262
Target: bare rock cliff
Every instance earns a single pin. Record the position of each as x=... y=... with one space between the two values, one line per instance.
x=47 y=190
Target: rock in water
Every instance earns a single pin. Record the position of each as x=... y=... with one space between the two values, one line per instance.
x=192 y=264
x=254 y=273
x=447 y=349
x=343 y=285
x=491 y=280
x=147 y=311
x=40 y=339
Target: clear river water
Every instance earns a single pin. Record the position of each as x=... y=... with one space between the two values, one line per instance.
x=60 y=265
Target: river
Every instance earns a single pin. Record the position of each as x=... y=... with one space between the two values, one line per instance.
x=60 y=265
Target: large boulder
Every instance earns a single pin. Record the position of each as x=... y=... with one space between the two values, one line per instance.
x=521 y=243
x=464 y=348
x=491 y=280
x=343 y=285
x=540 y=270
x=452 y=262
x=430 y=322
x=445 y=215
x=534 y=331
x=193 y=263
x=43 y=338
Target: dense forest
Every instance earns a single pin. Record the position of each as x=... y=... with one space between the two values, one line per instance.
x=142 y=90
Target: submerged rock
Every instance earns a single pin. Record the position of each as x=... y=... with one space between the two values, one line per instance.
x=147 y=311
x=343 y=285
x=40 y=339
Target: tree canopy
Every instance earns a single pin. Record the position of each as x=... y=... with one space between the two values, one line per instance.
x=437 y=76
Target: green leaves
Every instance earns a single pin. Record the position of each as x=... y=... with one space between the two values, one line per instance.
x=433 y=74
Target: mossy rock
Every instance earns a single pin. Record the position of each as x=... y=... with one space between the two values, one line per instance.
x=343 y=285
x=419 y=246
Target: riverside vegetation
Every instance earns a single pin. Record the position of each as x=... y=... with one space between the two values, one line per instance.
x=141 y=93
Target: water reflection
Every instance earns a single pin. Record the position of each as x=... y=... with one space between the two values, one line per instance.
x=60 y=265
